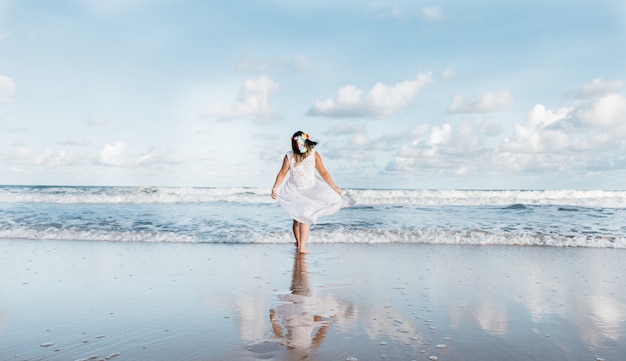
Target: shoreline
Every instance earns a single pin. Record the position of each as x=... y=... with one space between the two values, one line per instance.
x=158 y=301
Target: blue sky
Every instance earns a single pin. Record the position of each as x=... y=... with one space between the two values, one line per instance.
x=466 y=94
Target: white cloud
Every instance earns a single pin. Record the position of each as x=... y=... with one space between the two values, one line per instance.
x=8 y=128
x=27 y=155
x=535 y=134
x=254 y=65
x=113 y=154
x=390 y=141
x=598 y=87
x=346 y=129
x=546 y=140
x=75 y=141
x=490 y=102
x=97 y=121
x=355 y=145
x=252 y=103
x=19 y=153
x=151 y=158
x=448 y=73
x=451 y=148
x=115 y=7
x=608 y=111
x=456 y=149
x=439 y=135
x=404 y=10
x=147 y=158
x=381 y=101
x=7 y=87
x=4 y=36
x=490 y=127
x=50 y=157
x=116 y=155
x=385 y=9
x=431 y=12
x=588 y=137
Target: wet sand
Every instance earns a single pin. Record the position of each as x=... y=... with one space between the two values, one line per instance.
x=64 y=300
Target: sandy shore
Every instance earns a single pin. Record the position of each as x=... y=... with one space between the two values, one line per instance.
x=141 y=301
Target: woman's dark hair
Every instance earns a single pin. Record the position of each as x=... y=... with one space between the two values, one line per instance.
x=307 y=142
x=301 y=145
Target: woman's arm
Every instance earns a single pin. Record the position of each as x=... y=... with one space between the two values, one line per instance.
x=280 y=176
x=319 y=165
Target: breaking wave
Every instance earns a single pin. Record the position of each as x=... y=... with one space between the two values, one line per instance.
x=168 y=195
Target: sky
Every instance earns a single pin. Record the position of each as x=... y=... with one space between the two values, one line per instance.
x=457 y=94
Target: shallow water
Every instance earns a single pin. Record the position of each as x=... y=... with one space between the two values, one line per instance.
x=163 y=301
x=246 y=215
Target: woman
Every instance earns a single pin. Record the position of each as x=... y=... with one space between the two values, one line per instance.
x=306 y=196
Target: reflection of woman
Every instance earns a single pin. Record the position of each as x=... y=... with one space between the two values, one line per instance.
x=302 y=315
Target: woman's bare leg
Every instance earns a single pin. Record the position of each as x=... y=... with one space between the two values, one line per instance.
x=301 y=233
x=296 y=232
x=304 y=236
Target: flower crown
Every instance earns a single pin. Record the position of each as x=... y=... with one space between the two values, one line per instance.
x=301 y=141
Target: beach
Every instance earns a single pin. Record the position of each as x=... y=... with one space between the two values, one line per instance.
x=68 y=300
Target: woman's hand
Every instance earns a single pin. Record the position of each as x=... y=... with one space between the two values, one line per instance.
x=274 y=195
x=337 y=189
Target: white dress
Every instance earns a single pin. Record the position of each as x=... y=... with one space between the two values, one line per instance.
x=306 y=196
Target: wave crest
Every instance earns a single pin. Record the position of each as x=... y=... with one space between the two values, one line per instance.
x=329 y=236
x=365 y=197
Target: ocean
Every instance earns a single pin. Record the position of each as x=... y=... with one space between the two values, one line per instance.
x=550 y=218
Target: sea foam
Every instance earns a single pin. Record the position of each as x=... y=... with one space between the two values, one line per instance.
x=168 y=195
x=552 y=218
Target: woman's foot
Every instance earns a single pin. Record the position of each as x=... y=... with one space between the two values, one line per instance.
x=302 y=251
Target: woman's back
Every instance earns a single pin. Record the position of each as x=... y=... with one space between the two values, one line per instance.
x=303 y=174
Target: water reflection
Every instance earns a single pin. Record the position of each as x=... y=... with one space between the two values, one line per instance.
x=301 y=320
x=550 y=301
